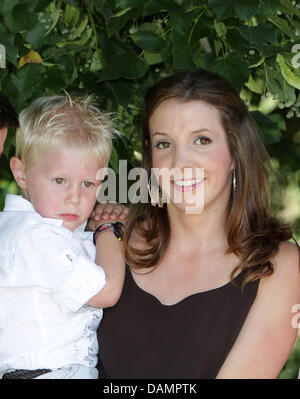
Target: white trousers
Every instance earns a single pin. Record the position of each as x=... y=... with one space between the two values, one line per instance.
x=68 y=372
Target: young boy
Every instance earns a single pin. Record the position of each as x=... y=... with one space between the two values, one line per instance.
x=52 y=287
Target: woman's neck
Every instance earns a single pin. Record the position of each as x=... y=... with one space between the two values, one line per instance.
x=206 y=229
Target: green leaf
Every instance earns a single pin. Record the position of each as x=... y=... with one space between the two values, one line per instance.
x=115 y=24
x=121 y=12
x=71 y=16
x=236 y=40
x=259 y=34
x=279 y=120
x=257 y=86
x=114 y=160
x=180 y=20
x=293 y=10
x=76 y=45
x=41 y=5
x=278 y=86
x=36 y=5
x=201 y=28
x=148 y=40
x=22 y=17
x=234 y=9
x=156 y=6
x=54 y=80
x=152 y=58
x=283 y=25
x=127 y=65
x=268 y=129
x=28 y=76
x=270 y=7
x=36 y=36
x=181 y=51
x=275 y=89
x=7 y=10
x=122 y=92
x=220 y=29
x=80 y=28
x=231 y=67
x=7 y=41
x=288 y=75
x=96 y=64
x=268 y=50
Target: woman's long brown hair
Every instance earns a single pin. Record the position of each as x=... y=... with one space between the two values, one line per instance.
x=252 y=233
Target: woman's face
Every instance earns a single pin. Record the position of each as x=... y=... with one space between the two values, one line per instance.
x=188 y=137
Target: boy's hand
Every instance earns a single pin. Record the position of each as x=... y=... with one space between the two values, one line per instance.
x=107 y=213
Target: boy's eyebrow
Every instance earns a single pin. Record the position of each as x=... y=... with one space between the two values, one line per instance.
x=62 y=173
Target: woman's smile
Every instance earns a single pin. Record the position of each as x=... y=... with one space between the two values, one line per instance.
x=187 y=185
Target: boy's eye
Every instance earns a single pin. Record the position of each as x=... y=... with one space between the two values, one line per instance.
x=88 y=184
x=59 y=180
x=203 y=140
x=163 y=145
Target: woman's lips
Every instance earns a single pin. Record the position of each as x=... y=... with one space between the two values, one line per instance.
x=188 y=184
x=68 y=217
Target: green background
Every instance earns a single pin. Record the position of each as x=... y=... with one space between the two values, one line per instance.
x=116 y=49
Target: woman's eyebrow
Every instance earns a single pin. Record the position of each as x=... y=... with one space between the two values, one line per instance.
x=159 y=134
x=197 y=131
x=205 y=129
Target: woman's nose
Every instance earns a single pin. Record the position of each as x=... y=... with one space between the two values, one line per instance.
x=181 y=158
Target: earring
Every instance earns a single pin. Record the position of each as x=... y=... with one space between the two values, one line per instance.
x=234 y=181
x=155 y=194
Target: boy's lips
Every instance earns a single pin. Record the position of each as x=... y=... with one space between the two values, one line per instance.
x=69 y=217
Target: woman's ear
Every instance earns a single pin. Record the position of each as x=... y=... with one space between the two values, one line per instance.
x=18 y=170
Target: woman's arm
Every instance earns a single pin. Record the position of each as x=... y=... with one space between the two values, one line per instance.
x=270 y=330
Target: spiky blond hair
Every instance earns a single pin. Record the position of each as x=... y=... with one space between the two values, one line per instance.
x=66 y=122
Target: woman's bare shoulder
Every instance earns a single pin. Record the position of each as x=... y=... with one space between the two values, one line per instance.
x=287 y=261
x=286 y=276
x=270 y=329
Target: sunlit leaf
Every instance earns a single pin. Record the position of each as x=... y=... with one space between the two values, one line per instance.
x=33 y=57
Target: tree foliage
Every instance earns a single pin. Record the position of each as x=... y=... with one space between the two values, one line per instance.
x=116 y=49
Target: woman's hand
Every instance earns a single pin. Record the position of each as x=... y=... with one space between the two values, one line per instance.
x=107 y=213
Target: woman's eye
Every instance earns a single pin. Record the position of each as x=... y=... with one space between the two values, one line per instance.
x=203 y=140
x=162 y=145
x=59 y=180
x=88 y=184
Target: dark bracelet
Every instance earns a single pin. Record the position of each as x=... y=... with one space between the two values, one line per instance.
x=116 y=227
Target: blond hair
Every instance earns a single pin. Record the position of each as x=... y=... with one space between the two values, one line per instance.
x=67 y=122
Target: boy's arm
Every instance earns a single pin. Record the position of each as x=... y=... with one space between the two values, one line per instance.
x=110 y=256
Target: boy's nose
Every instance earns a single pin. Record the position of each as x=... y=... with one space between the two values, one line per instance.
x=73 y=195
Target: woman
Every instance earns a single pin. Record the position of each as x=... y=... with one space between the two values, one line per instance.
x=209 y=292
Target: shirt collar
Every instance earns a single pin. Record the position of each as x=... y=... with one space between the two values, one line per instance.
x=18 y=203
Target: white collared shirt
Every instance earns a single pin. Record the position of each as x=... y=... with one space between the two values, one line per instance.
x=47 y=274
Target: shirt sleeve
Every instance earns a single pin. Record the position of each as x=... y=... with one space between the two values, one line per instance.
x=45 y=258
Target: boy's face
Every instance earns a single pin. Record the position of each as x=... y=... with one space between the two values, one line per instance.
x=63 y=185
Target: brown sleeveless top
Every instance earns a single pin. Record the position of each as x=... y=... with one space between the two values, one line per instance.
x=141 y=338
